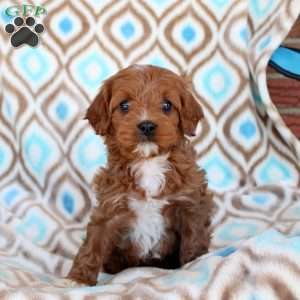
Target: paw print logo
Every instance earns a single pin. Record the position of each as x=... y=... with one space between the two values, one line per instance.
x=24 y=33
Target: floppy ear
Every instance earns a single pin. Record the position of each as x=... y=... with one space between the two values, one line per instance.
x=98 y=113
x=190 y=114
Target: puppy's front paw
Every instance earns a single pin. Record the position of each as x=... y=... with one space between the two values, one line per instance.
x=68 y=283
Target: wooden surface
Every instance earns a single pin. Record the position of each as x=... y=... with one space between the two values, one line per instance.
x=285 y=92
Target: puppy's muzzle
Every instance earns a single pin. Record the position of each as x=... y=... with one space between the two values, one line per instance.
x=147 y=128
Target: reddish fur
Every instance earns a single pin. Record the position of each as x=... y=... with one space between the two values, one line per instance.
x=187 y=216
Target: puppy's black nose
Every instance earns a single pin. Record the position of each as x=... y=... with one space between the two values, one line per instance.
x=147 y=128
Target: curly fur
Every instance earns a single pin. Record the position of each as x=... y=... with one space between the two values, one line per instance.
x=153 y=208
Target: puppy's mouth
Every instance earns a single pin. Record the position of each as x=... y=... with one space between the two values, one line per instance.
x=146 y=149
x=145 y=139
x=146 y=132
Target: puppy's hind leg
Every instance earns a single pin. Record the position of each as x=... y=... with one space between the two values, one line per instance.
x=195 y=234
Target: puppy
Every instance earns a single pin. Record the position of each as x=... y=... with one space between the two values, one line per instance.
x=153 y=208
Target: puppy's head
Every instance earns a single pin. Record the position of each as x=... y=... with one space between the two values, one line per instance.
x=144 y=110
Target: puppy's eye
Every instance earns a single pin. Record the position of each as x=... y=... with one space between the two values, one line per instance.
x=124 y=106
x=166 y=106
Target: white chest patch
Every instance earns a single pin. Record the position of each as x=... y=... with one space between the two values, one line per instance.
x=149 y=174
x=149 y=227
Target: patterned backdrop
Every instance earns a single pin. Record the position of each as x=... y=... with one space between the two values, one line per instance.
x=48 y=154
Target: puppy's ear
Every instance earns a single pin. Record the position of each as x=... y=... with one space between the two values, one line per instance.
x=190 y=114
x=98 y=113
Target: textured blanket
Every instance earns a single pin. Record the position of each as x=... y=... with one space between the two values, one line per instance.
x=48 y=154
